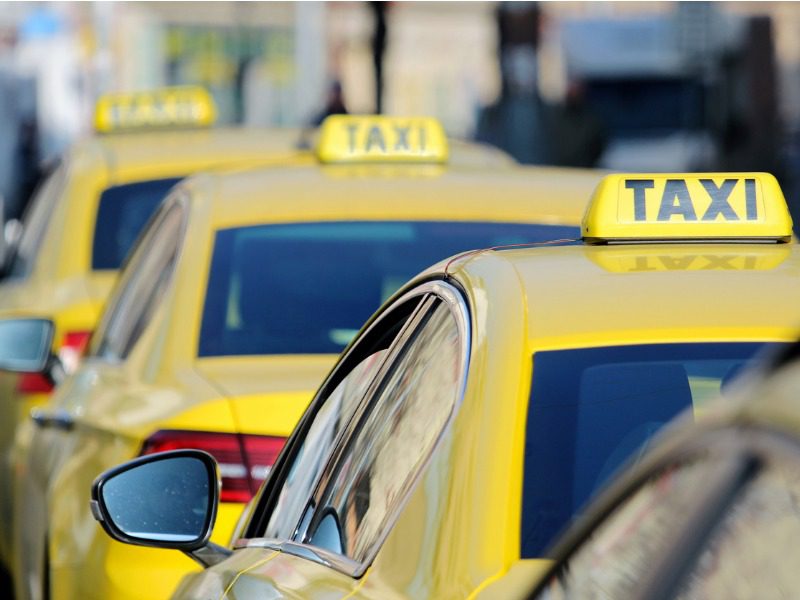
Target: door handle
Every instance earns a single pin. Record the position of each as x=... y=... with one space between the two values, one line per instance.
x=58 y=419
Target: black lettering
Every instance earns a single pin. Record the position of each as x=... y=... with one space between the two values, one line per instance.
x=402 y=138
x=719 y=200
x=675 y=190
x=351 y=136
x=750 y=199
x=718 y=262
x=375 y=138
x=677 y=264
x=639 y=186
x=422 y=139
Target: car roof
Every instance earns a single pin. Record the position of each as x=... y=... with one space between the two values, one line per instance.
x=590 y=295
x=140 y=155
x=152 y=154
x=397 y=192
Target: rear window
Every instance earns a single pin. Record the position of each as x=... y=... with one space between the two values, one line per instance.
x=121 y=215
x=307 y=288
x=592 y=409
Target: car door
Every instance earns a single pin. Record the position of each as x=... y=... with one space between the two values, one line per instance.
x=358 y=452
x=720 y=521
x=62 y=431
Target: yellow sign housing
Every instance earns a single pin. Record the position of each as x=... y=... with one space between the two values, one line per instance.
x=380 y=139
x=185 y=106
x=687 y=206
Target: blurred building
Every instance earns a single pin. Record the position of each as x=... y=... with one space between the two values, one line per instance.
x=734 y=66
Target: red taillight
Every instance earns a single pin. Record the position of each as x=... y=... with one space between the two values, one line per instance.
x=244 y=460
x=33 y=383
x=72 y=348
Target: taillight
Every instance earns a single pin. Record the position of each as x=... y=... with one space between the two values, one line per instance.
x=244 y=460
x=72 y=348
x=33 y=383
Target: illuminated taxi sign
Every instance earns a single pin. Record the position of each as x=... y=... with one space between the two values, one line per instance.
x=186 y=106
x=687 y=206
x=359 y=139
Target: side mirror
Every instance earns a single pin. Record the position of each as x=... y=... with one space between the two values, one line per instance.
x=25 y=345
x=164 y=500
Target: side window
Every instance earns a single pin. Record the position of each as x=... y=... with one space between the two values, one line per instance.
x=404 y=418
x=620 y=552
x=337 y=405
x=316 y=448
x=141 y=284
x=35 y=221
x=752 y=552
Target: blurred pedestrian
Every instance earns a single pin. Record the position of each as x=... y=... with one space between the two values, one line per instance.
x=514 y=122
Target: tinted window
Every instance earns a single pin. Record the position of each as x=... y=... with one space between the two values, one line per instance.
x=307 y=288
x=121 y=216
x=591 y=409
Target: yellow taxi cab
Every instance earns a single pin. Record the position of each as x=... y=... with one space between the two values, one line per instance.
x=480 y=407
x=87 y=214
x=232 y=307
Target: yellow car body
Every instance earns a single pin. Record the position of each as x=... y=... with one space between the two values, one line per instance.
x=449 y=490
x=53 y=274
x=112 y=408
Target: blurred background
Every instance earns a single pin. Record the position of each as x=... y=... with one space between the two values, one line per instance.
x=634 y=86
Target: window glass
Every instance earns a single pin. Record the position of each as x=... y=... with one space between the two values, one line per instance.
x=122 y=213
x=611 y=563
x=394 y=439
x=35 y=221
x=308 y=463
x=307 y=288
x=752 y=552
x=592 y=409
x=141 y=285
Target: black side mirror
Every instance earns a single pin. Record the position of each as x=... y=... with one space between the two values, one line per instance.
x=164 y=500
x=25 y=345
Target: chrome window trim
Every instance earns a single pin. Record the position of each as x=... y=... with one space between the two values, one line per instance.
x=454 y=299
x=312 y=553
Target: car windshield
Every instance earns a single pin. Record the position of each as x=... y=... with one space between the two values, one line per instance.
x=307 y=288
x=592 y=409
x=121 y=215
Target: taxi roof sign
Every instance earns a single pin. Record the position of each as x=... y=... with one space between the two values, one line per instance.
x=175 y=107
x=382 y=139
x=687 y=206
